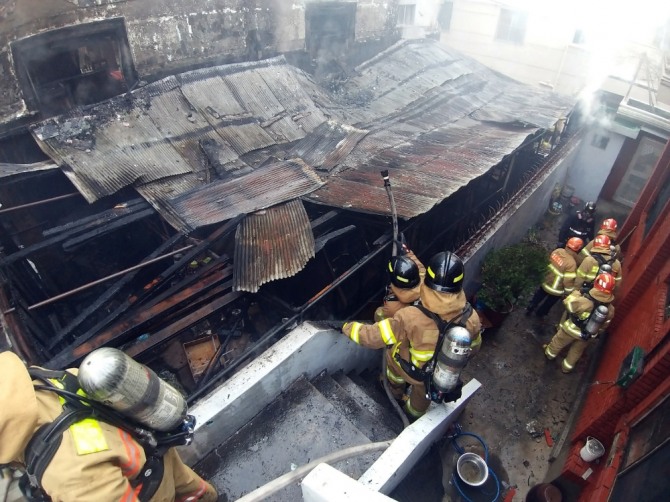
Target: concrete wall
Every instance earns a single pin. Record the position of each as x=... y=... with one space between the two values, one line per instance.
x=525 y=215
x=592 y=165
x=168 y=36
x=425 y=18
x=547 y=56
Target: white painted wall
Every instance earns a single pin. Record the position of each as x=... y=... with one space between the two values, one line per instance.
x=593 y=165
x=546 y=58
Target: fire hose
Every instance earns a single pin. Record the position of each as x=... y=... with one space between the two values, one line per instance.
x=394 y=252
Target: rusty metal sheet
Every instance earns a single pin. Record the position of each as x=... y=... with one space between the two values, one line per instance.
x=266 y=186
x=272 y=244
x=328 y=145
x=115 y=145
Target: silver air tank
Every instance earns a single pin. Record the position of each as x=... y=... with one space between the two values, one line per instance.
x=596 y=320
x=452 y=358
x=111 y=377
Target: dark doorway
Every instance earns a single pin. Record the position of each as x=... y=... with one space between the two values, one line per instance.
x=330 y=30
x=74 y=66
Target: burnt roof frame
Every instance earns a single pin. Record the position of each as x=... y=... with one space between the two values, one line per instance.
x=22 y=48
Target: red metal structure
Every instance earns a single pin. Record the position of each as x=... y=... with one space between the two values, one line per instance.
x=627 y=406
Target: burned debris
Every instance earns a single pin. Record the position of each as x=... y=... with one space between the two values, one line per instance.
x=260 y=204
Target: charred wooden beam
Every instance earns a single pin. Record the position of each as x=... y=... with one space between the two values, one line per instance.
x=110 y=292
x=137 y=322
x=72 y=244
x=38 y=203
x=101 y=219
x=179 y=326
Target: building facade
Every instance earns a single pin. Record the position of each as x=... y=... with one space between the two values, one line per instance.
x=627 y=404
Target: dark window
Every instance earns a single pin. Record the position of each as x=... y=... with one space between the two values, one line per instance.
x=600 y=141
x=445 y=15
x=511 y=26
x=656 y=208
x=646 y=459
x=329 y=29
x=406 y=14
x=74 y=66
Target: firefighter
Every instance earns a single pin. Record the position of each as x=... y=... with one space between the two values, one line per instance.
x=411 y=335
x=601 y=259
x=560 y=278
x=581 y=224
x=95 y=461
x=575 y=330
x=405 y=274
x=609 y=228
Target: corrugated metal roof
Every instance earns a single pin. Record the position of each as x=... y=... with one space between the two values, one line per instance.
x=437 y=120
x=265 y=187
x=272 y=244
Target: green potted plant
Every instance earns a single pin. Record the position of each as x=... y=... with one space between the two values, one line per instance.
x=509 y=273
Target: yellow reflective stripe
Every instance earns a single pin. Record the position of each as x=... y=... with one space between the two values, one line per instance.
x=355 y=332
x=421 y=356
x=412 y=411
x=570 y=275
x=585 y=251
x=552 y=290
x=556 y=271
x=549 y=353
x=430 y=273
x=581 y=273
x=88 y=437
x=393 y=377
x=567 y=366
x=401 y=279
x=386 y=332
x=458 y=278
x=571 y=328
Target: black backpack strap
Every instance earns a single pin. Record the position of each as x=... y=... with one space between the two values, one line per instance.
x=47 y=440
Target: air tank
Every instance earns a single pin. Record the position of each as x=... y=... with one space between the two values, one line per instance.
x=452 y=358
x=111 y=377
x=596 y=320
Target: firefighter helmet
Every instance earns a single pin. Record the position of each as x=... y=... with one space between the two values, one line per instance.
x=404 y=273
x=602 y=241
x=605 y=283
x=575 y=243
x=590 y=207
x=445 y=273
x=609 y=224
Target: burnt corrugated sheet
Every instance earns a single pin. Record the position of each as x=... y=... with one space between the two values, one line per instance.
x=265 y=187
x=328 y=145
x=272 y=244
x=437 y=120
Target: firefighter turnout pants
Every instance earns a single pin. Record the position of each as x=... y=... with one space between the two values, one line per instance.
x=560 y=341
x=418 y=403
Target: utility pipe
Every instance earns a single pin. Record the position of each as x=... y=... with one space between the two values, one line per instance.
x=262 y=493
x=100 y=281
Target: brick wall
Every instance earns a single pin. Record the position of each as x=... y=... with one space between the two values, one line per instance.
x=640 y=320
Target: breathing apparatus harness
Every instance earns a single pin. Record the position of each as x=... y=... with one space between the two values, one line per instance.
x=76 y=407
x=425 y=374
x=604 y=265
x=593 y=320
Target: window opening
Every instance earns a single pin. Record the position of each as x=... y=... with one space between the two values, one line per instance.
x=406 y=15
x=512 y=26
x=600 y=141
x=74 y=66
x=444 y=18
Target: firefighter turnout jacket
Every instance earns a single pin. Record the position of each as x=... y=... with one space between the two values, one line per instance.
x=612 y=234
x=561 y=273
x=95 y=460
x=588 y=269
x=578 y=308
x=412 y=335
x=401 y=297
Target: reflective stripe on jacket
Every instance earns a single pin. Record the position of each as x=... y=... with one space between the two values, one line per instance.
x=561 y=274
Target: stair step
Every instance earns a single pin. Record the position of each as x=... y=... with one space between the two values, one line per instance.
x=373 y=426
x=366 y=401
x=300 y=426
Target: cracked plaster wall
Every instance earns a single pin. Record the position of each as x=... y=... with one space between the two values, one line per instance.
x=169 y=36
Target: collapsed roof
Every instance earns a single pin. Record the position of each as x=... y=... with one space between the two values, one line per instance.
x=435 y=118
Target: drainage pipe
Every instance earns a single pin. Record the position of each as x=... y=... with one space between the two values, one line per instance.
x=265 y=491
